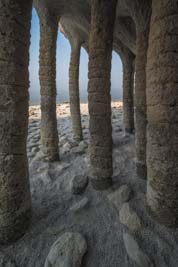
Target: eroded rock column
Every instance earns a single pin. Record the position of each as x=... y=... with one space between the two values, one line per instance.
x=99 y=99
x=15 y=200
x=128 y=90
x=74 y=90
x=162 y=112
x=140 y=11
x=49 y=132
x=140 y=101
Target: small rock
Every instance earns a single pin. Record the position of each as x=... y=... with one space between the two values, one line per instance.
x=63 y=140
x=78 y=184
x=129 y=218
x=31 y=154
x=39 y=156
x=67 y=251
x=135 y=253
x=66 y=148
x=35 y=149
x=118 y=129
x=60 y=166
x=78 y=150
x=83 y=145
x=79 y=205
x=120 y=196
x=43 y=167
x=45 y=177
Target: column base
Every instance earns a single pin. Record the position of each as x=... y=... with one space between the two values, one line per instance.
x=15 y=229
x=168 y=219
x=141 y=170
x=51 y=157
x=101 y=184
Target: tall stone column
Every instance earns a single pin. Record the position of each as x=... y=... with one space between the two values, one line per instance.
x=128 y=90
x=74 y=90
x=15 y=200
x=99 y=99
x=162 y=112
x=49 y=132
x=140 y=102
x=140 y=11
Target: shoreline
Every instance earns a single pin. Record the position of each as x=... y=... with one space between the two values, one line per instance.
x=67 y=102
x=63 y=109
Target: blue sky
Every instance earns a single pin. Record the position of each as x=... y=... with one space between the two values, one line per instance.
x=63 y=58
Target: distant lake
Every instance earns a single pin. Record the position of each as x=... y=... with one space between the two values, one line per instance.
x=63 y=96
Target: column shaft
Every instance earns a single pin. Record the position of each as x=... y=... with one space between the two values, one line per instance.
x=162 y=110
x=15 y=200
x=74 y=91
x=128 y=88
x=140 y=102
x=49 y=132
x=101 y=41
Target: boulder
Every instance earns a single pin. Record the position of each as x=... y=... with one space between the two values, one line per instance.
x=129 y=218
x=120 y=196
x=135 y=253
x=67 y=251
x=78 y=184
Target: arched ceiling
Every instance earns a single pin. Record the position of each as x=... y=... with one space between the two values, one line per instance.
x=74 y=18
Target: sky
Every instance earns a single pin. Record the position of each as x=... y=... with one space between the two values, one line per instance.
x=62 y=67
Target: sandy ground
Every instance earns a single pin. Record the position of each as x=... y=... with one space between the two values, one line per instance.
x=98 y=221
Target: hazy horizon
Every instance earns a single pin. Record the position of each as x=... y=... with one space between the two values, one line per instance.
x=62 y=67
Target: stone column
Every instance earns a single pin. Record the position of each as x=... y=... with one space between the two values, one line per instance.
x=140 y=101
x=140 y=11
x=15 y=200
x=162 y=112
x=74 y=90
x=99 y=99
x=49 y=132
x=128 y=89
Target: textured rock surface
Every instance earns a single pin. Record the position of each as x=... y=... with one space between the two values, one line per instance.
x=67 y=251
x=101 y=41
x=15 y=202
x=129 y=218
x=78 y=184
x=120 y=196
x=49 y=133
x=80 y=205
x=135 y=253
x=162 y=108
